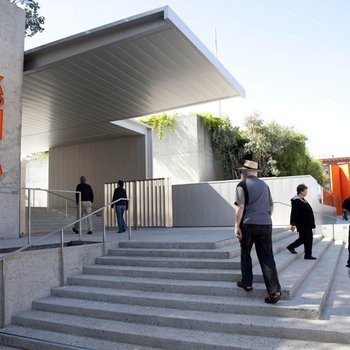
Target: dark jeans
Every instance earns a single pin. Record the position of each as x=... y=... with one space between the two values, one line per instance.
x=120 y=209
x=260 y=235
x=306 y=238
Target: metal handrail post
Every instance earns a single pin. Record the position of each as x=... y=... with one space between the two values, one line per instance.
x=104 y=231
x=29 y=215
x=66 y=208
x=2 y=320
x=62 y=258
x=80 y=222
x=129 y=220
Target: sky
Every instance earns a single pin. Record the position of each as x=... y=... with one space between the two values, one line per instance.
x=292 y=57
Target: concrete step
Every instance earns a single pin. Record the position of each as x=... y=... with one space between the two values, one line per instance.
x=169 y=262
x=296 y=273
x=234 y=305
x=35 y=339
x=315 y=290
x=168 y=273
x=170 y=253
x=190 y=319
x=176 y=245
x=266 y=334
x=217 y=288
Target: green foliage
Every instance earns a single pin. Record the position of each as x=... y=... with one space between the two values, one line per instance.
x=280 y=151
x=36 y=156
x=227 y=143
x=159 y=122
x=212 y=123
x=34 y=22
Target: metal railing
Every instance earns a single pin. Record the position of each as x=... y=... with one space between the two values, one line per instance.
x=61 y=232
x=31 y=200
x=331 y=218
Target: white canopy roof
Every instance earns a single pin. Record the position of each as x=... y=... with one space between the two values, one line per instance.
x=74 y=87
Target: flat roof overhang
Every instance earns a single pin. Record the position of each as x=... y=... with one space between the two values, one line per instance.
x=73 y=88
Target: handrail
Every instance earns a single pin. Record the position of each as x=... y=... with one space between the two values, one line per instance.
x=8 y=255
x=29 y=189
x=334 y=218
x=61 y=231
x=58 y=195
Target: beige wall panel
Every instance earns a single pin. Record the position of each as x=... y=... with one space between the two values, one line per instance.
x=100 y=162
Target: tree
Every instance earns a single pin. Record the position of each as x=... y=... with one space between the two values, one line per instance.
x=279 y=150
x=227 y=142
x=33 y=22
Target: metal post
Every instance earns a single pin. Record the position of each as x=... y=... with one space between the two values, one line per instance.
x=129 y=220
x=2 y=291
x=80 y=222
x=66 y=208
x=29 y=216
x=104 y=231
x=62 y=258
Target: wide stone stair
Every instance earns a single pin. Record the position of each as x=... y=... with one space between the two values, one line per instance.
x=45 y=220
x=183 y=295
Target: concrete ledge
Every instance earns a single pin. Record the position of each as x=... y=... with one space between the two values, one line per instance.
x=32 y=274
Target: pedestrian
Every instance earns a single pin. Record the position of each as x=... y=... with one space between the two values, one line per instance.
x=120 y=206
x=346 y=206
x=302 y=218
x=87 y=198
x=253 y=224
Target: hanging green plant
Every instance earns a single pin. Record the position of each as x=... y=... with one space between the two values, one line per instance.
x=159 y=122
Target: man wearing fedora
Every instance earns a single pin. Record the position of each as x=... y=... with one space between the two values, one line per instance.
x=253 y=210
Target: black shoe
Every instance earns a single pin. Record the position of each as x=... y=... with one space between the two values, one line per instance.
x=120 y=231
x=273 y=298
x=309 y=258
x=74 y=230
x=240 y=284
x=89 y=233
x=292 y=250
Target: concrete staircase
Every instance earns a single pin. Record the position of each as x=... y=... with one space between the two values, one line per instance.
x=44 y=220
x=183 y=295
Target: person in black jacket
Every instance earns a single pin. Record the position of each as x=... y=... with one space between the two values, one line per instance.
x=120 y=206
x=346 y=206
x=302 y=218
x=87 y=198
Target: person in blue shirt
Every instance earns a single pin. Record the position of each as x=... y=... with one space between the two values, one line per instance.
x=120 y=206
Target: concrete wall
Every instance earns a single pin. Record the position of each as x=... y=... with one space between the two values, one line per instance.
x=37 y=176
x=185 y=155
x=11 y=69
x=37 y=272
x=100 y=162
x=211 y=203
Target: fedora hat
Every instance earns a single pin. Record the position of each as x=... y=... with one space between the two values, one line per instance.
x=249 y=165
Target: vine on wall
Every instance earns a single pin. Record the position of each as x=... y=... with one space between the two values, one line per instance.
x=159 y=122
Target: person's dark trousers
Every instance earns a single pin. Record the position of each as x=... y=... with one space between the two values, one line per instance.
x=306 y=238
x=260 y=235
x=120 y=209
